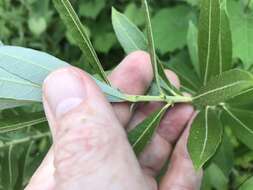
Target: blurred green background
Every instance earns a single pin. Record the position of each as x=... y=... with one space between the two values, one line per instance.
x=35 y=24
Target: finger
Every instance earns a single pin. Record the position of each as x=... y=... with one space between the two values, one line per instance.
x=132 y=76
x=43 y=178
x=181 y=173
x=155 y=155
x=89 y=142
x=157 y=152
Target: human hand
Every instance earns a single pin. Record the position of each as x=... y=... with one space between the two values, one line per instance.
x=90 y=147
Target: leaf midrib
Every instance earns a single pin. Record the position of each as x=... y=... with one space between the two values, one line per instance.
x=22 y=125
x=209 y=41
x=219 y=89
x=149 y=126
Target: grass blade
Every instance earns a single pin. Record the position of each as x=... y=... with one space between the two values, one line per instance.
x=76 y=28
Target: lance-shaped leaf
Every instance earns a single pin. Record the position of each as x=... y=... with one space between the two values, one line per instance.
x=205 y=137
x=140 y=136
x=132 y=39
x=224 y=43
x=22 y=72
x=78 y=32
x=129 y=36
x=223 y=87
x=208 y=36
x=21 y=122
x=240 y=121
x=192 y=43
x=151 y=45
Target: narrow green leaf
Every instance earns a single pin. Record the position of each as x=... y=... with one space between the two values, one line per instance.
x=151 y=45
x=132 y=39
x=77 y=30
x=9 y=168
x=21 y=122
x=192 y=43
x=22 y=72
x=247 y=185
x=129 y=36
x=140 y=136
x=22 y=162
x=205 y=137
x=223 y=87
x=225 y=43
x=209 y=23
x=240 y=121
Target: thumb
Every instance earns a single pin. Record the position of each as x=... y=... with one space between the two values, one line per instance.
x=89 y=144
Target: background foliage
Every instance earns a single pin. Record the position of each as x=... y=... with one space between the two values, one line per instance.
x=35 y=24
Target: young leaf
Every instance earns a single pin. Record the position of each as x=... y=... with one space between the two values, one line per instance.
x=240 y=121
x=140 y=136
x=77 y=30
x=209 y=23
x=224 y=43
x=151 y=45
x=192 y=38
x=223 y=87
x=205 y=137
x=22 y=72
x=129 y=36
x=132 y=39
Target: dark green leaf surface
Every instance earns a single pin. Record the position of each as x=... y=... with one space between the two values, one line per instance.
x=21 y=122
x=129 y=36
x=78 y=32
x=240 y=122
x=224 y=87
x=205 y=137
x=209 y=23
x=140 y=136
x=192 y=43
x=181 y=65
x=225 y=43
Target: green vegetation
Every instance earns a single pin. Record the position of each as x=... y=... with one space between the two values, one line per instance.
x=207 y=43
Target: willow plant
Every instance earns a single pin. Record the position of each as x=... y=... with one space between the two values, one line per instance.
x=220 y=97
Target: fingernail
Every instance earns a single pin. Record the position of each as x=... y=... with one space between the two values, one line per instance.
x=64 y=90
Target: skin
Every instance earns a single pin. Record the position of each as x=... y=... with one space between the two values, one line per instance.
x=90 y=148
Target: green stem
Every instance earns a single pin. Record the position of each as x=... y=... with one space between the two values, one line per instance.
x=168 y=99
